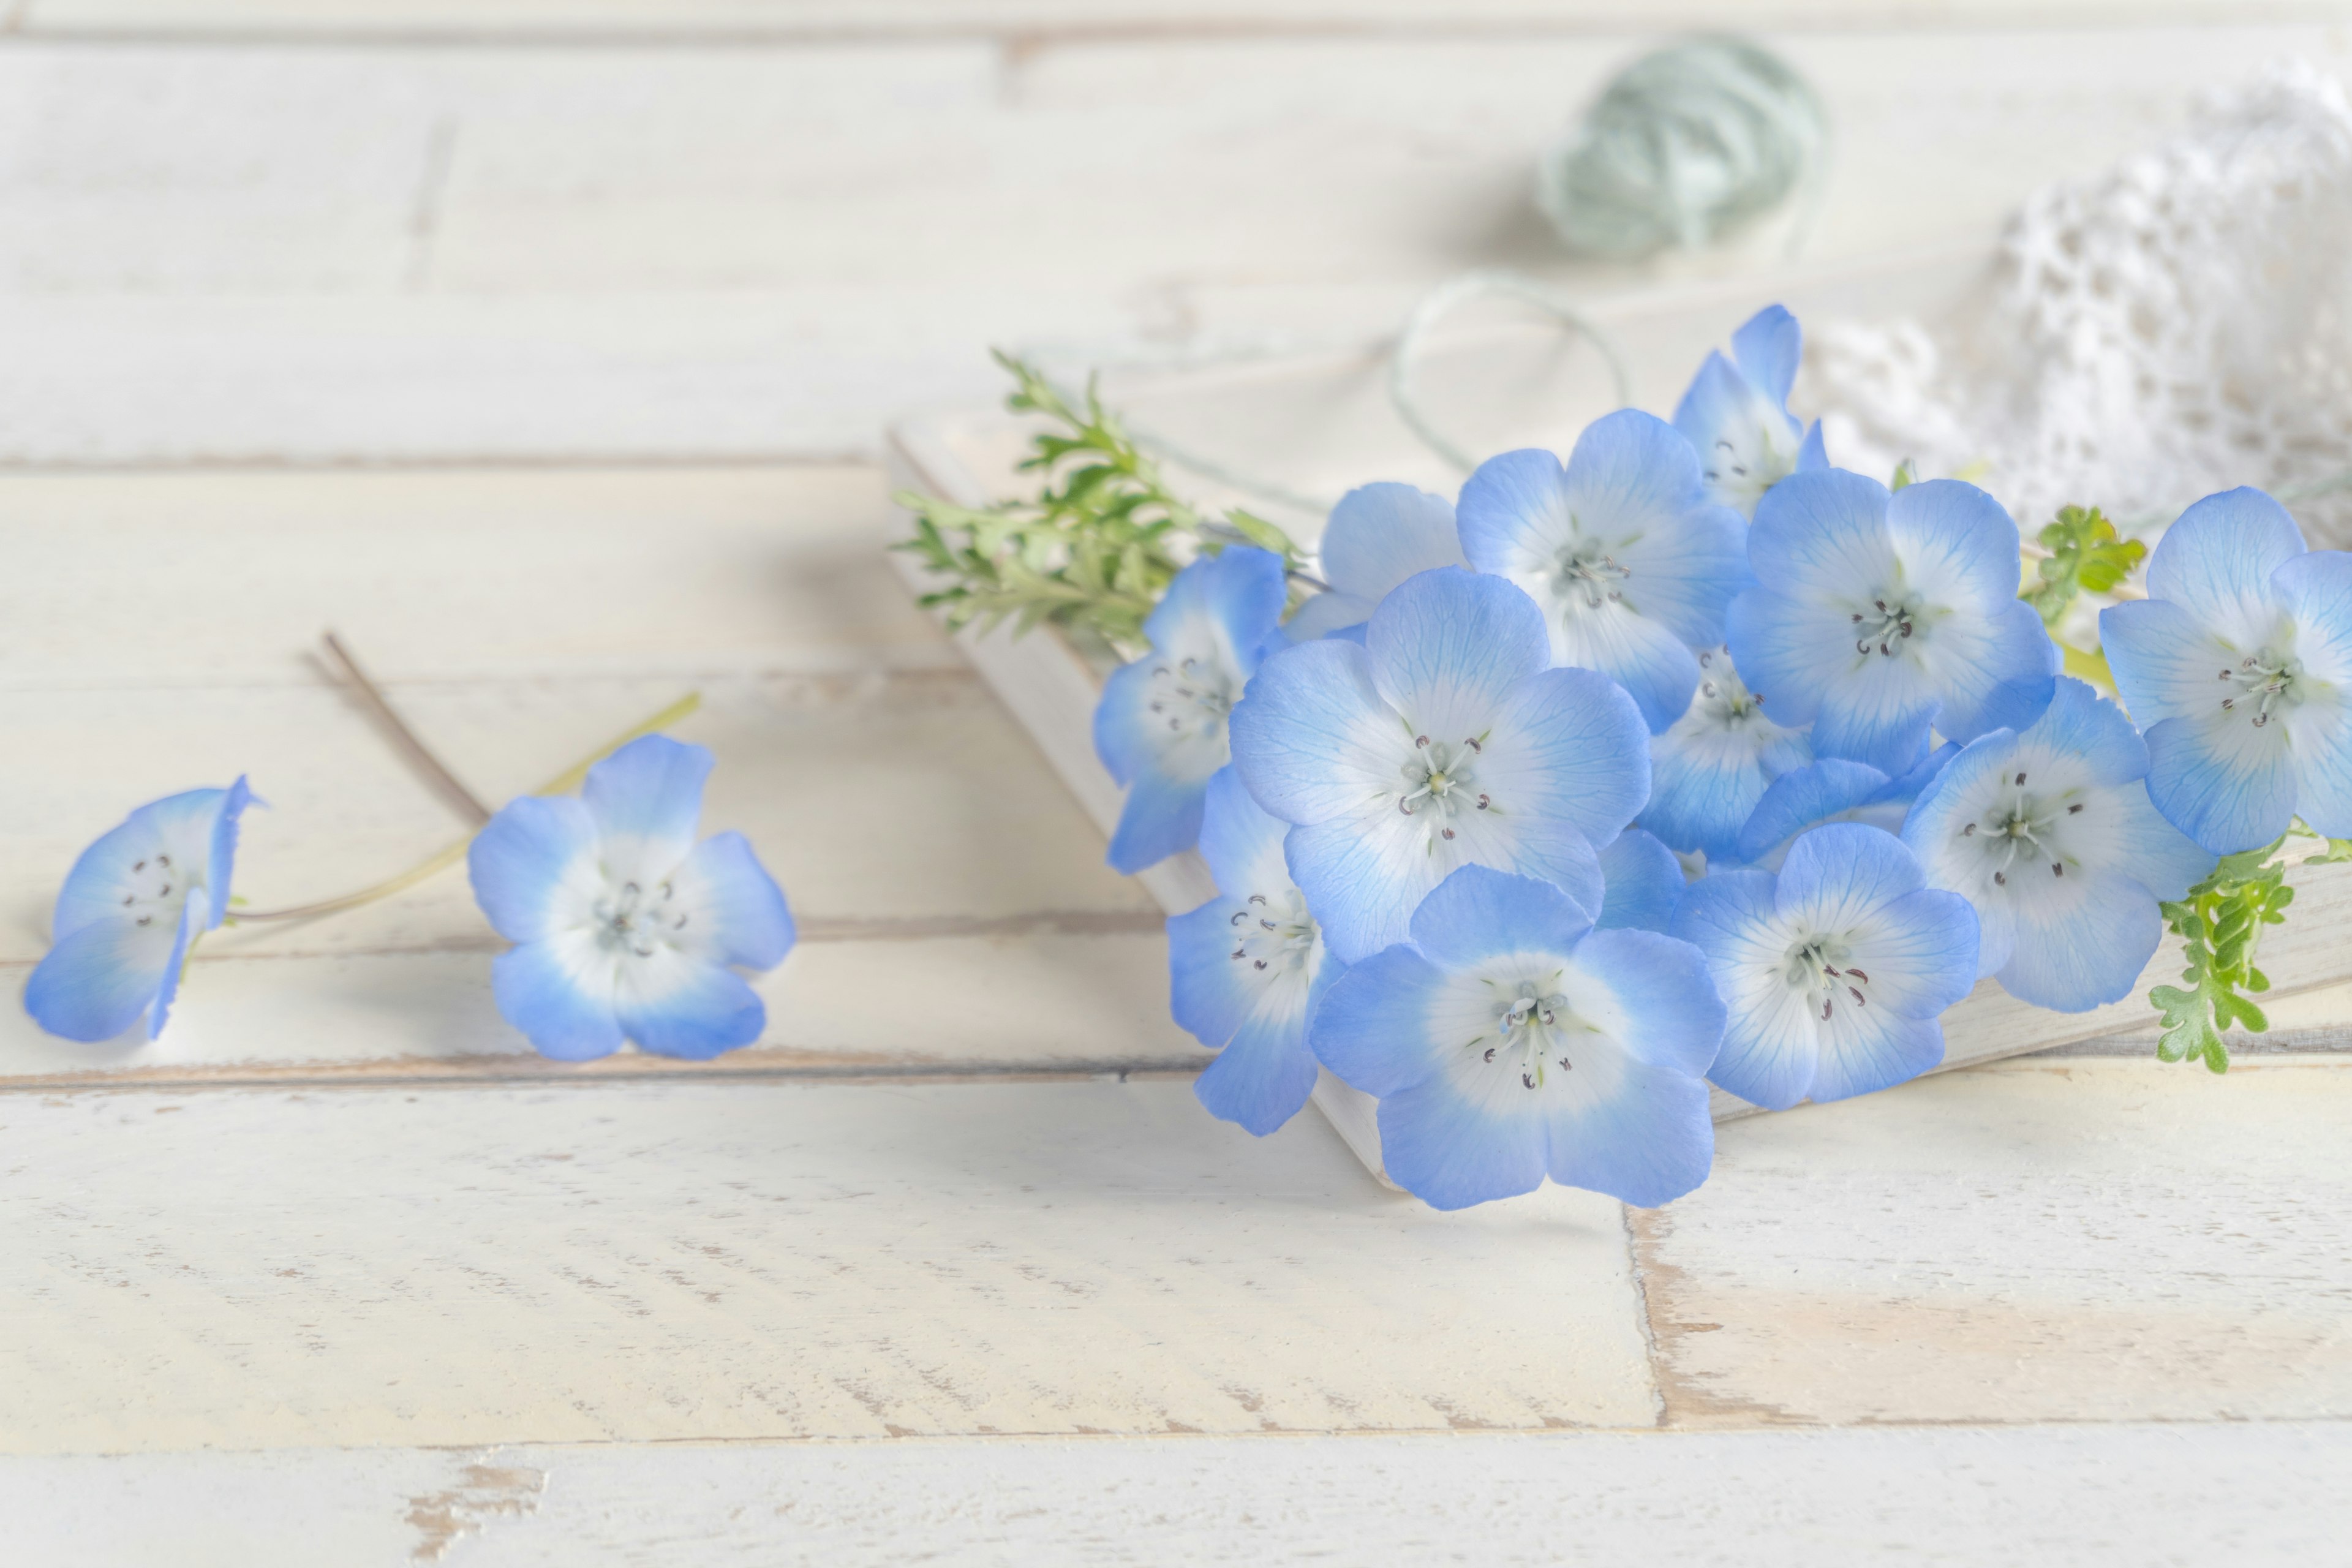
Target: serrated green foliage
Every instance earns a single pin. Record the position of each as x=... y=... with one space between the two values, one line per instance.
x=1093 y=551
x=2086 y=557
x=2220 y=923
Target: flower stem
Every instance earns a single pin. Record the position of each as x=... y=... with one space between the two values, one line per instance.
x=562 y=783
x=405 y=738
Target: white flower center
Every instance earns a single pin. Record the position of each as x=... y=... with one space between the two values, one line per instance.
x=1820 y=963
x=1724 y=700
x=1585 y=571
x=2019 y=832
x=1748 y=471
x=1532 y=1029
x=630 y=921
x=1275 y=935
x=1441 y=782
x=157 y=888
x=1887 y=624
x=1192 y=696
x=2263 y=682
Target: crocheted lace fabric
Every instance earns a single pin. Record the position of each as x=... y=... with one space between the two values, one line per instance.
x=2178 y=325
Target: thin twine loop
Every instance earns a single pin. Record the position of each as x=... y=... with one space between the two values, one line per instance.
x=1450 y=296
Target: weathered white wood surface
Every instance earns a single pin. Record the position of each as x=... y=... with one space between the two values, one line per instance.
x=312 y=1265
x=2054 y=1496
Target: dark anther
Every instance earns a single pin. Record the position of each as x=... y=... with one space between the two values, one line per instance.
x=1261 y=963
x=1857 y=973
x=1825 y=1009
x=1239 y=916
x=1490 y=1053
x=1257 y=898
x=1421 y=739
x=1857 y=620
x=1268 y=924
x=2225 y=674
x=1906 y=629
x=126 y=900
x=1969 y=831
x=1859 y=999
x=1547 y=1018
x=1476 y=747
x=1482 y=802
x=630 y=889
x=1405 y=807
x=2021 y=778
x=166 y=892
x=2261 y=720
x=2227 y=703
x=2074 y=808
x=1564 y=1066
x=2057 y=868
x=165 y=860
x=1448 y=832
x=146 y=920
x=139 y=864
x=2000 y=878
x=1528 y=1080
x=1862 y=647
x=1881 y=603
x=1239 y=953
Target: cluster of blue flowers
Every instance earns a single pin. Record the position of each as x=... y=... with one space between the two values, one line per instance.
x=1692 y=759
x=624 y=927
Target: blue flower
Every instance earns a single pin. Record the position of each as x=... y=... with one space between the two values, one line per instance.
x=1876 y=618
x=1443 y=740
x=1379 y=535
x=1160 y=726
x=1832 y=790
x=2239 y=665
x=1834 y=972
x=132 y=907
x=1507 y=1040
x=2049 y=832
x=1715 y=763
x=1631 y=563
x=1245 y=969
x=623 y=926
x=1736 y=414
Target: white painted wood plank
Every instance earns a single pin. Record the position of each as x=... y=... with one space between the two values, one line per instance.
x=241 y=1268
x=2037 y=1241
x=470 y=253
x=2055 y=1496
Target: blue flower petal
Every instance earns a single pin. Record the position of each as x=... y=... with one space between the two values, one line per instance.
x=1766 y=347
x=1865 y=1049
x=1311 y=737
x=1787 y=649
x=1935 y=825
x=1364 y=875
x=2165 y=664
x=220 y=864
x=1330 y=614
x=646 y=799
x=191 y=828
x=2317 y=592
x=2081 y=723
x=1512 y=513
x=1643 y=881
x=1881 y=719
x=1448 y=646
x=1124 y=724
x=1208 y=995
x=1262 y=1078
x=1837 y=875
x=1381 y=534
x=1240 y=839
x=1768 y=1052
x=1832 y=790
x=534 y=864
x=1819 y=534
x=1569 y=745
x=737 y=914
x=1452 y=1152
x=2225 y=784
x=1634 y=483
x=191 y=923
x=1372 y=1028
x=559 y=993
x=2083 y=944
x=1743 y=437
x=1956 y=543
x=1237 y=594
x=2164 y=859
x=1813 y=456
x=100 y=976
x=1673 y=1019
x=2003 y=679
x=2216 y=563
x=674 y=1006
x=1648 y=1143
x=1708 y=773
x=1477 y=914
x=1920 y=950
x=1161 y=817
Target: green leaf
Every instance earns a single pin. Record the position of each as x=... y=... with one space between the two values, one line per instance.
x=2084 y=556
x=1904 y=476
x=2220 y=923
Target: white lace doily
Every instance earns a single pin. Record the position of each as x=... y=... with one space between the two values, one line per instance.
x=2178 y=325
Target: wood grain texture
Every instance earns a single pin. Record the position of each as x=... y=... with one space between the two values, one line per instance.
x=2051 y=1496
x=242 y=1268
x=2058 y=1241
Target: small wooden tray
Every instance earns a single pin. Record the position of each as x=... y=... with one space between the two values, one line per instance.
x=1319 y=425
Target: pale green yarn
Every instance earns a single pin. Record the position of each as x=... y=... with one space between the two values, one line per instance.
x=1686 y=145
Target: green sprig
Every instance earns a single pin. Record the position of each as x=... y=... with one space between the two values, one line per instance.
x=2220 y=923
x=2086 y=557
x=1093 y=551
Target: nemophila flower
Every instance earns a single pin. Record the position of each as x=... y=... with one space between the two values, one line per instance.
x=2049 y=832
x=1245 y=969
x=1736 y=414
x=1378 y=536
x=2239 y=666
x=1507 y=1040
x=1831 y=790
x=1443 y=740
x=132 y=907
x=623 y=926
x=1877 y=617
x=1715 y=763
x=1631 y=562
x=1641 y=882
x=1833 y=970
x=1160 y=727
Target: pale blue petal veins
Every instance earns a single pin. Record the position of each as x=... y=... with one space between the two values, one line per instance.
x=1364 y=875
x=1263 y=1076
x=1233 y=600
x=1813 y=456
x=1994 y=673
x=1832 y=790
x=2164 y=860
x=1240 y=839
x=534 y=865
x=1478 y=913
x=646 y=799
x=1161 y=818
x=1672 y=1017
x=1836 y=876
x=1767 y=346
x=2316 y=589
x=1207 y=995
x=1448 y=646
x=1647 y=1144
x=1452 y=1152
x=1819 y=534
x=2166 y=666
x=1513 y=516
x=100 y=977
x=1125 y=728
x=1955 y=544
x=2225 y=784
x=674 y=1006
x=1372 y=1025
x=737 y=914
x=1312 y=738
x=2217 y=560
x=1642 y=882
x=2083 y=943
x=1381 y=534
x=1862 y=1052
x=559 y=993
x=1569 y=745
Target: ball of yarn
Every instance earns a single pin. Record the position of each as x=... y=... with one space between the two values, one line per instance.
x=1686 y=145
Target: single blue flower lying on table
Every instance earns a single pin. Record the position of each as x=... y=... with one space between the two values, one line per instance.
x=132 y=907
x=1631 y=564
x=1379 y=535
x=1245 y=969
x=2049 y=832
x=625 y=928
x=1832 y=790
x=1736 y=414
x=2239 y=666
x=1443 y=740
x=1877 y=617
x=1715 y=763
x=1833 y=972
x=1507 y=1040
x=1161 y=727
